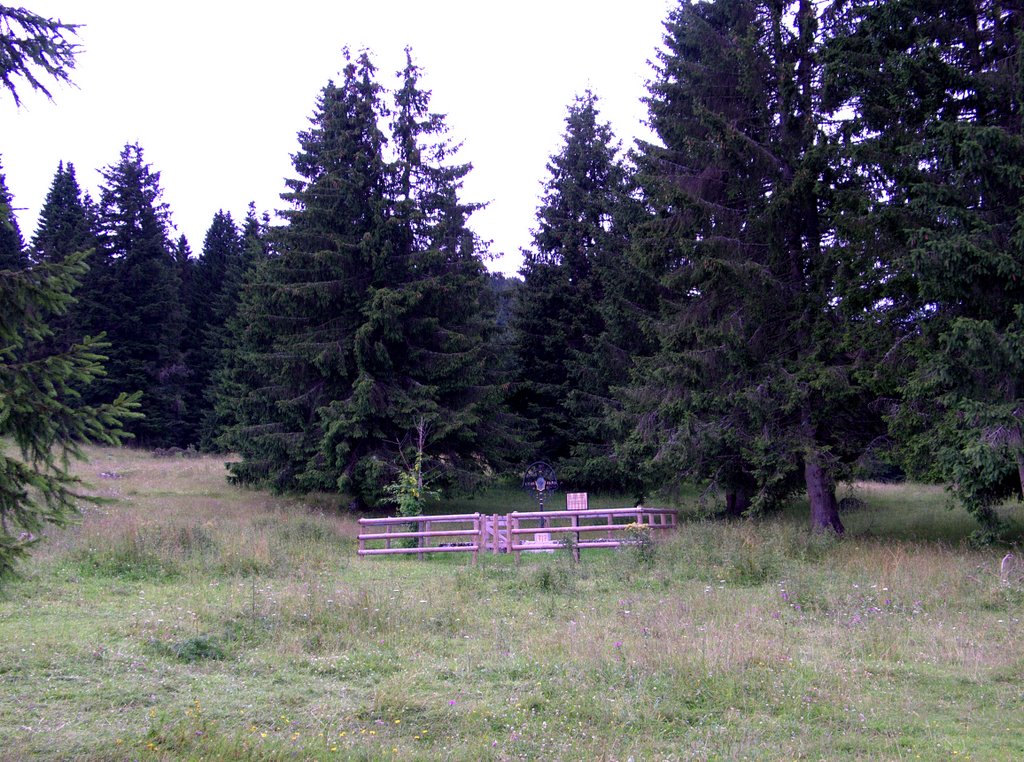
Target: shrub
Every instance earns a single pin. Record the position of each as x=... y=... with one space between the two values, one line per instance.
x=640 y=544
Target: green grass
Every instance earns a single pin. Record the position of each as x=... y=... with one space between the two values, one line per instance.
x=192 y=620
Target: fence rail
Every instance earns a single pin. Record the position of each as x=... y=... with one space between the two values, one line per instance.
x=517 y=532
x=468 y=525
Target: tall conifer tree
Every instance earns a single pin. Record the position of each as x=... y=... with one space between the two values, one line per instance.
x=41 y=407
x=421 y=355
x=228 y=389
x=304 y=305
x=67 y=220
x=758 y=379
x=567 y=367
x=938 y=128
x=12 y=245
x=369 y=311
x=67 y=225
x=144 y=318
x=210 y=301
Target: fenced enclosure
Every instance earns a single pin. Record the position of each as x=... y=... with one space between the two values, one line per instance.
x=517 y=532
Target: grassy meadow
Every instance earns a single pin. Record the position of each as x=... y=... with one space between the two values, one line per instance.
x=187 y=619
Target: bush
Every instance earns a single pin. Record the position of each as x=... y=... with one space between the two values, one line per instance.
x=640 y=544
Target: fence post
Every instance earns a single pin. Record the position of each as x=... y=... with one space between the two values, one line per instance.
x=576 y=545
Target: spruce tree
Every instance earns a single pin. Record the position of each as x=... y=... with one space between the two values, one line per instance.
x=192 y=341
x=41 y=407
x=12 y=246
x=366 y=321
x=938 y=128
x=567 y=367
x=67 y=225
x=209 y=307
x=305 y=304
x=144 y=317
x=245 y=336
x=67 y=221
x=422 y=346
x=34 y=49
x=758 y=382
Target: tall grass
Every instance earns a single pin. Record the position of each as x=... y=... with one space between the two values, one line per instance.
x=189 y=619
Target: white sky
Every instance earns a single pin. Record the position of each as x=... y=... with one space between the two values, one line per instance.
x=215 y=92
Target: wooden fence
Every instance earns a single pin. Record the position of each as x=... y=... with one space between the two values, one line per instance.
x=518 y=532
x=452 y=534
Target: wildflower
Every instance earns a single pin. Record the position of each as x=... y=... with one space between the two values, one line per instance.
x=618 y=644
x=451 y=702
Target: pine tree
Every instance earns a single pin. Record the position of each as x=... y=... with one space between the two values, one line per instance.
x=67 y=225
x=564 y=356
x=12 y=246
x=67 y=221
x=32 y=45
x=421 y=351
x=209 y=307
x=938 y=126
x=304 y=305
x=144 y=319
x=232 y=398
x=757 y=385
x=366 y=321
x=186 y=267
x=41 y=409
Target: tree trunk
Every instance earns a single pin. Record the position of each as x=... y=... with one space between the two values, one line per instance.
x=1020 y=469
x=822 y=496
x=737 y=501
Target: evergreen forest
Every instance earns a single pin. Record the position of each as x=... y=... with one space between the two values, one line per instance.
x=812 y=272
